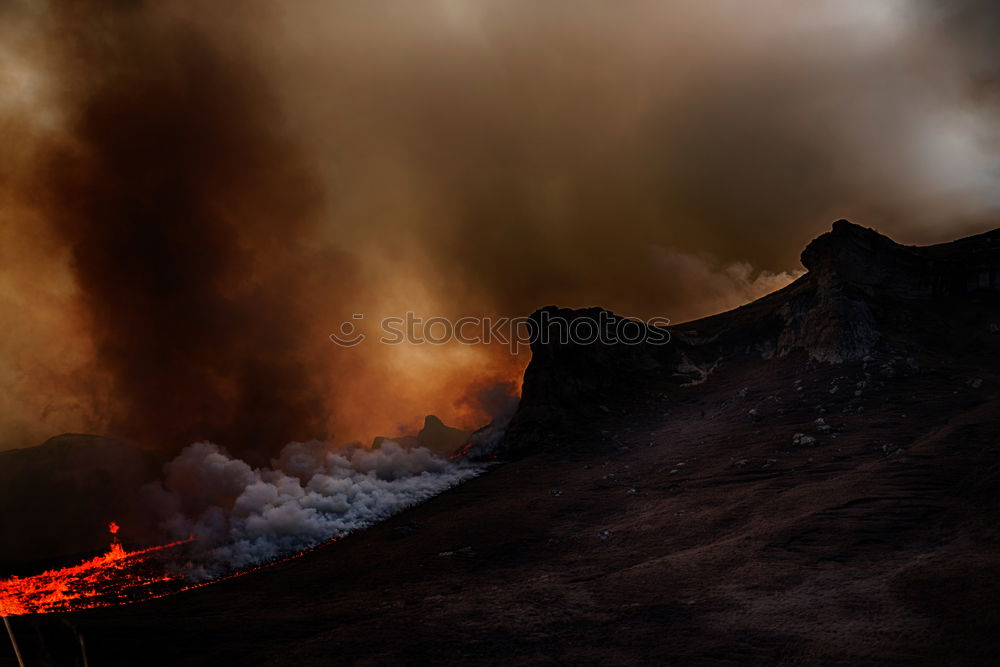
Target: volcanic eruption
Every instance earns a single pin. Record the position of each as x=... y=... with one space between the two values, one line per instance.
x=199 y=206
x=115 y=577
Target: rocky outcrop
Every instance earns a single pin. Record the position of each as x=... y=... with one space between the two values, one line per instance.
x=855 y=256
x=581 y=357
x=860 y=297
x=853 y=270
x=440 y=438
x=577 y=354
x=435 y=435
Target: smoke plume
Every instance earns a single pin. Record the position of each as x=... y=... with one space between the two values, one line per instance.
x=186 y=209
x=242 y=516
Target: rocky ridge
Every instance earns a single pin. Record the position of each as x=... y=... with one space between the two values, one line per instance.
x=862 y=299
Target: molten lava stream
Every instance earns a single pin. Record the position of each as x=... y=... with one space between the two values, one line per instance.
x=114 y=577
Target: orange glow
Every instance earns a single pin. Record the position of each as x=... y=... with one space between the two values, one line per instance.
x=115 y=577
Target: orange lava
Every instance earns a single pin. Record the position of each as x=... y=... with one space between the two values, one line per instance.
x=463 y=450
x=115 y=577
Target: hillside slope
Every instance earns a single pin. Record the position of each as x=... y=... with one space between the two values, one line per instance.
x=813 y=478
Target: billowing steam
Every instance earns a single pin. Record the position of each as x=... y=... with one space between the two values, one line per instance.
x=242 y=516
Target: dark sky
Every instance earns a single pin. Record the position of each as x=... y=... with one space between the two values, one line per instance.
x=194 y=193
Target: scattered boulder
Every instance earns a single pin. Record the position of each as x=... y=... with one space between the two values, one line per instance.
x=803 y=440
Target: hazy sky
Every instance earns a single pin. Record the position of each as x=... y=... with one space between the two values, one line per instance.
x=195 y=193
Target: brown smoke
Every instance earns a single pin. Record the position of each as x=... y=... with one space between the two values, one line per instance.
x=185 y=210
x=198 y=194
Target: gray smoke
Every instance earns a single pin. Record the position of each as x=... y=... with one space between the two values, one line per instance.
x=240 y=516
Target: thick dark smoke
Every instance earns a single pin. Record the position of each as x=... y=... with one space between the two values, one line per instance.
x=557 y=152
x=185 y=210
x=195 y=195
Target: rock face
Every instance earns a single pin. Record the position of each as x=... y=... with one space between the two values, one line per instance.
x=440 y=438
x=863 y=258
x=435 y=435
x=591 y=355
x=863 y=295
x=853 y=269
x=583 y=368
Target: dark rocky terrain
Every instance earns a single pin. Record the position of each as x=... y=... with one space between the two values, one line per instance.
x=813 y=478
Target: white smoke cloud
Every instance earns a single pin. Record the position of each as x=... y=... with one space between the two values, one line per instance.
x=242 y=516
x=710 y=286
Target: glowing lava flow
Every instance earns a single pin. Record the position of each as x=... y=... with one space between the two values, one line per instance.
x=115 y=577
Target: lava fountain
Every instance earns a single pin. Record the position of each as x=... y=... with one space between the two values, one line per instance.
x=115 y=577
